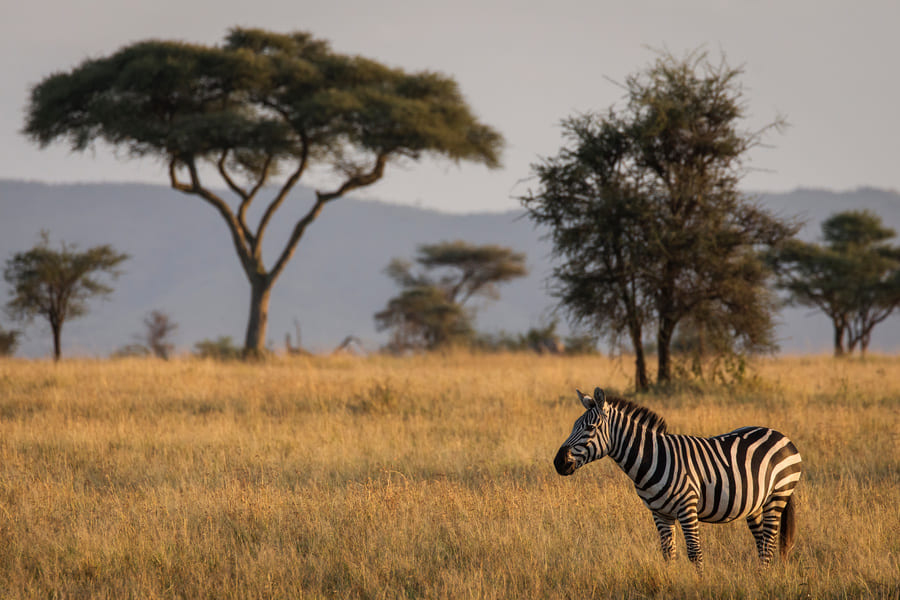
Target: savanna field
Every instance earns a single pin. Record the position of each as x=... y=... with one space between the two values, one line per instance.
x=426 y=477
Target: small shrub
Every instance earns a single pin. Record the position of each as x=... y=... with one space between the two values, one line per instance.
x=9 y=341
x=222 y=348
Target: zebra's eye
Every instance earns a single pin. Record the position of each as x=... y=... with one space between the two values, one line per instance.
x=592 y=426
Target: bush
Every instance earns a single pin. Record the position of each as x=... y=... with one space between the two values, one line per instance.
x=222 y=348
x=9 y=341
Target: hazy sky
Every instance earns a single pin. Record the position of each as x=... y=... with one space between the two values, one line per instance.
x=830 y=67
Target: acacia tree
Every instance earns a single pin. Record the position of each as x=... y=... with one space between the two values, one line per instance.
x=56 y=284
x=854 y=277
x=644 y=210
x=259 y=104
x=429 y=310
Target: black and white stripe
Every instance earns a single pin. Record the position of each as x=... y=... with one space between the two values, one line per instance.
x=749 y=473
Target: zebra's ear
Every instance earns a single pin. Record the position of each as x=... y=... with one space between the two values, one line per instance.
x=600 y=399
x=586 y=400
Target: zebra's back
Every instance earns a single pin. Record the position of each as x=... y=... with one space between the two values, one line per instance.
x=726 y=477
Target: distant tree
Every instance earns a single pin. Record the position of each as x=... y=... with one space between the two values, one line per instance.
x=260 y=103
x=854 y=277
x=158 y=327
x=429 y=311
x=645 y=213
x=9 y=341
x=421 y=317
x=57 y=284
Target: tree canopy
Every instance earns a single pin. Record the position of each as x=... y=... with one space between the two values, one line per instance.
x=56 y=284
x=260 y=110
x=646 y=216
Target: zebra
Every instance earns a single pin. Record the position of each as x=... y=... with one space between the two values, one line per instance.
x=750 y=473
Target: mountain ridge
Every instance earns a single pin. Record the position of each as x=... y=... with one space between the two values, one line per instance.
x=183 y=263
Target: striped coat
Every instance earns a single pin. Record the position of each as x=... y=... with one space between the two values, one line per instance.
x=749 y=473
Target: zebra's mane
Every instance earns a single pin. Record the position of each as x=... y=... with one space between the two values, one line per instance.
x=643 y=415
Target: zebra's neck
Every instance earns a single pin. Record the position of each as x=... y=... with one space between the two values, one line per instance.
x=635 y=434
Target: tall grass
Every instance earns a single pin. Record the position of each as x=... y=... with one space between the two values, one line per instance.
x=418 y=477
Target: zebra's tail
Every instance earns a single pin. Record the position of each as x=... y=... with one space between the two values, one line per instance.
x=787 y=529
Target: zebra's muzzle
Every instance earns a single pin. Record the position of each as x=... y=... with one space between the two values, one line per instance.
x=564 y=463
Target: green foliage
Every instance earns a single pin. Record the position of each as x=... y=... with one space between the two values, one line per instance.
x=261 y=94
x=854 y=277
x=259 y=103
x=464 y=270
x=647 y=219
x=429 y=313
x=57 y=284
x=9 y=340
x=222 y=348
x=422 y=318
x=855 y=229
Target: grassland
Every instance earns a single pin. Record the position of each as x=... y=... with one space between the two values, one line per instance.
x=421 y=477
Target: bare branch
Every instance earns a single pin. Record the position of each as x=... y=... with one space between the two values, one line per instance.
x=263 y=177
x=251 y=266
x=359 y=180
x=231 y=184
x=173 y=178
x=355 y=181
x=283 y=192
x=299 y=230
x=246 y=197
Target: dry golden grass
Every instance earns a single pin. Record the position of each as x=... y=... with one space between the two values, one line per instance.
x=419 y=477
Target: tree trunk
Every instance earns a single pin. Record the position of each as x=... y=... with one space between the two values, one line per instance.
x=57 y=344
x=663 y=342
x=255 y=341
x=838 y=340
x=665 y=307
x=640 y=364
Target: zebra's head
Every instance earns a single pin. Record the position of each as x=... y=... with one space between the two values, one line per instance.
x=590 y=435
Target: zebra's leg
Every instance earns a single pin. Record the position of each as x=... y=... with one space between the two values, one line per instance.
x=756 y=524
x=766 y=530
x=666 y=528
x=690 y=526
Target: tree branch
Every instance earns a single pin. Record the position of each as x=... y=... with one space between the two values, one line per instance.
x=246 y=197
x=360 y=179
x=322 y=199
x=263 y=176
x=251 y=267
x=234 y=187
x=173 y=178
x=283 y=192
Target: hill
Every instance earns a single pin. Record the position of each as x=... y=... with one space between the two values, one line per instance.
x=182 y=263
